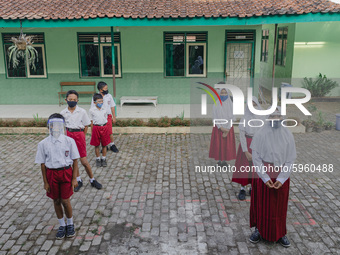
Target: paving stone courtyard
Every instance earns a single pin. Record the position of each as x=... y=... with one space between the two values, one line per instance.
x=153 y=201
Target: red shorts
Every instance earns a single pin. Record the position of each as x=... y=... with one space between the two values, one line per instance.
x=100 y=135
x=60 y=182
x=79 y=138
x=109 y=124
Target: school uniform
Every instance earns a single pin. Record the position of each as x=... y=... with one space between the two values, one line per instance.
x=100 y=132
x=223 y=148
x=246 y=136
x=108 y=103
x=58 y=155
x=268 y=207
x=75 y=123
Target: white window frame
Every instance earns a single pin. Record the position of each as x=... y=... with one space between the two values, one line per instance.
x=102 y=60
x=44 y=63
x=204 y=60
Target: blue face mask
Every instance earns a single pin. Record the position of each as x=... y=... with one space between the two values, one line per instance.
x=223 y=98
x=71 y=103
x=100 y=105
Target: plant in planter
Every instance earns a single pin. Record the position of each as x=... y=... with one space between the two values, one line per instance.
x=309 y=124
x=320 y=123
x=22 y=47
x=328 y=125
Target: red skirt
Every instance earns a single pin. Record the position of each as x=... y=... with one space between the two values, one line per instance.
x=222 y=148
x=245 y=177
x=268 y=208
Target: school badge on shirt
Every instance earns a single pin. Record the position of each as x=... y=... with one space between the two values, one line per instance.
x=67 y=153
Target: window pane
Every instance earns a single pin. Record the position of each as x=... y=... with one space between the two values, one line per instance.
x=108 y=60
x=39 y=63
x=196 y=61
x=89 y=60
x=279 y=53
x=174 y=60
x=20 y=70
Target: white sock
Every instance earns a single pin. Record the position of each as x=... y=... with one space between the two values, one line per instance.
x=103 y=157
x=111 y=144
x=62 y=222
x=69 y=221
x=91 y=180
x=98 y=157
x=242 y=187
x=79 y=179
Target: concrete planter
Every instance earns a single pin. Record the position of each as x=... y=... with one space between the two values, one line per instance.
x=136 y=130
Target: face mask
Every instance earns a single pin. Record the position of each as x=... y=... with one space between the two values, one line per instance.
x=223 y=98
x=71 y=103
x=105 y=92
x=276 y=124
x=100 y=105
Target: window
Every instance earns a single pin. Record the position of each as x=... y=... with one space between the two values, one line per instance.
x=264 y=47
x=281 y=46
x=95 y=54
x=23 y=70
x=185 y=54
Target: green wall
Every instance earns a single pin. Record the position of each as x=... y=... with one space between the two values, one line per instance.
x=282 y=73
x=322 y=56
x=142 y=65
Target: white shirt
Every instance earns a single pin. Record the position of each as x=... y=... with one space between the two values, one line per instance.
x=56 y=153
x=108 y=103
x=77 y=119
x=98 y=116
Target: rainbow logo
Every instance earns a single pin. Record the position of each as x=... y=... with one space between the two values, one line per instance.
x=209 y=93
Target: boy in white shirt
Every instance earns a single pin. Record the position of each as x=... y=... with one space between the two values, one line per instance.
x=57 y=154
x=77 y=121
x=100 y=132
x=109 y=105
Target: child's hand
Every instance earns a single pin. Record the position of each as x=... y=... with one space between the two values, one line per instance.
x=74 y=183
x=47 y=187
x=114 y=120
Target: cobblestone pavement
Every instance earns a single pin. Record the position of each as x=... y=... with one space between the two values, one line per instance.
x=153 y=201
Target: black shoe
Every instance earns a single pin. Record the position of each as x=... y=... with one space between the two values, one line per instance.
x=242 y=195
x=70 y=232
x=255 y=236
x=80 y=184
x=114 y=148
x=61 y=232
x=250 y=192
x=284 y=241
x=96 y=184
x=104 y=163
x=98 y=163
x=219 y=163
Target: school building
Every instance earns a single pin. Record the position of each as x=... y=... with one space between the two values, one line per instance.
x=162 y=47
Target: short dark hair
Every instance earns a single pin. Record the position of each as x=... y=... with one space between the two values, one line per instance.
x=55 y=116
x=97 y=96
x=101 y=85
x=72 y=92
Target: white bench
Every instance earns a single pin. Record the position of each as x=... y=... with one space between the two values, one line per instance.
x=138 y=99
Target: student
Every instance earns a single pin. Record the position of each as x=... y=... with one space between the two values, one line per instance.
x=222 y=144
x=109 y=105
x=272 y=146
x=57 y=154
x=77 y=122
x=244 y=158
x=100 y=133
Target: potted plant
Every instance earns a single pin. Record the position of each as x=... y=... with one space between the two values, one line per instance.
x=309 y=124
x=22 y=47
x=320 y=123
x=328 y=125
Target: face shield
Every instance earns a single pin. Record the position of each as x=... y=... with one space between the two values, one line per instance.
x=56 y=127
